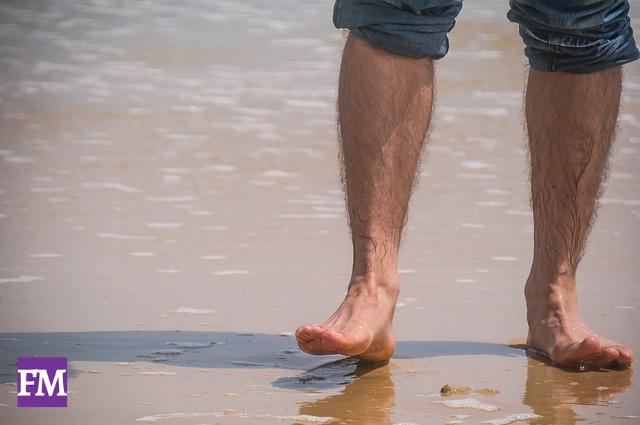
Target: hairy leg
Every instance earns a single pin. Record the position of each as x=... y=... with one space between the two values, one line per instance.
x=384 y=106
x=571 y=121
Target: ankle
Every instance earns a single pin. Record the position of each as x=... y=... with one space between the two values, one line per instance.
x=375 y=255
x=375 y=272
x=547 y=282
x=375 y=284
x=549 y=299
x=562 y=286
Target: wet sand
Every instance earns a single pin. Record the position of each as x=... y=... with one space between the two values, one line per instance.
x=170 y=211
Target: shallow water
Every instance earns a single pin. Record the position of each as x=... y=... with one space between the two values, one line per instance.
x=170 y=211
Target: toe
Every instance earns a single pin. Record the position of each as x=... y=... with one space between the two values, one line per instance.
x=309 y=339
x=302 y=333
x=608 y=357
x=309 y=332
x=313 y=347
x=625 y=356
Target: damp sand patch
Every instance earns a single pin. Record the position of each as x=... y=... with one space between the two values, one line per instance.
x=292 y=419
x=516 y=417
x=469 y=403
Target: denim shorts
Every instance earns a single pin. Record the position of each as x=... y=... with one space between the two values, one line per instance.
x=578 y=36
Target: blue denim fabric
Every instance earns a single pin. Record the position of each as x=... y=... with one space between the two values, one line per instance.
x=414 y=28
x=578 y=36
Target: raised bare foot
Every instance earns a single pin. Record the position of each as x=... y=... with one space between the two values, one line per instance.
x=557 y=330
x=361 y=326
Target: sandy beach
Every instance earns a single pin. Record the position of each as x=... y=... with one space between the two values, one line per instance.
x=171 y=211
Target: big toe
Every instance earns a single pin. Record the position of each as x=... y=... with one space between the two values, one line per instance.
x=608 y=357
x=309 y=338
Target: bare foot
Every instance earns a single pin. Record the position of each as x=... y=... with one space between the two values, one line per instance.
x=557 y=331
x=361 y=326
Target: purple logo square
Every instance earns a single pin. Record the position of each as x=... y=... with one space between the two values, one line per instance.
x=42 y=382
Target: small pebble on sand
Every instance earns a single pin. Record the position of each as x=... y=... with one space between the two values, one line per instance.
x=448 y=390
x=488 y=391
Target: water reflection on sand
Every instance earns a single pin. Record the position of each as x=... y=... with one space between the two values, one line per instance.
x=554 y=396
